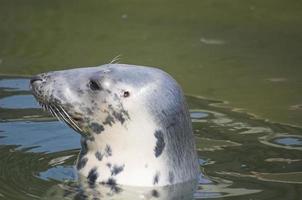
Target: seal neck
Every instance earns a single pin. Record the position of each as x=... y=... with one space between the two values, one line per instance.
x=125 y=152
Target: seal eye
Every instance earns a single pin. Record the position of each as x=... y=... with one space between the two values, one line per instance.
x=126 y=94
x=94 y=85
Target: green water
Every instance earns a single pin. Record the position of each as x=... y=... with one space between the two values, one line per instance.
x=247 y=53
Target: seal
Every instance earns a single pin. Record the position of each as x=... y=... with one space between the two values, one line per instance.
x=134 y=121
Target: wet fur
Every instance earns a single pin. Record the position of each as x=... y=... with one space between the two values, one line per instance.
x=130 y=118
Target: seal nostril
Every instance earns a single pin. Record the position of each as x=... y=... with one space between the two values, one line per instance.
x=35 y=78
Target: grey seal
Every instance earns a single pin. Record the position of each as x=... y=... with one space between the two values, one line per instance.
x=134 y=121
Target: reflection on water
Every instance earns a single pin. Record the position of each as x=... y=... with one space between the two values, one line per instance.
x=18 y=102
x=14 y=84
x=289 y=141
x=241 y=156
x=36 y=135
x=283 y=141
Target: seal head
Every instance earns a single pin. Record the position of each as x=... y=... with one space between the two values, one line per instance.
x=134 y=121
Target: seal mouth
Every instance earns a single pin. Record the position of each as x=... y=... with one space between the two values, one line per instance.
x=61 y=114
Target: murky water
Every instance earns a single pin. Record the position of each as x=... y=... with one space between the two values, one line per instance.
x=247 y=53
x=242 y=157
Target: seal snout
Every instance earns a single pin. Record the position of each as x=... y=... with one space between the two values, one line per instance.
x=37 y=86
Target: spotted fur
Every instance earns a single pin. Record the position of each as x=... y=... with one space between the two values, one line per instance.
x=81 y=163
x=92 y=176
x=97 y=128
x=116 y=169
x=156 y=178
x=135 y=118
x=109 y=120
x=99 y=156
x=108 y=151
x=155 y=193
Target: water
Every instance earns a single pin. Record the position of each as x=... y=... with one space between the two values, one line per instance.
x=242 y=157
x=246 y=53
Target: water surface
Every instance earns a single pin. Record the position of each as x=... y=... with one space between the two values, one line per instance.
x=245 y=52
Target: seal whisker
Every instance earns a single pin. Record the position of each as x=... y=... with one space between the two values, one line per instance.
x=62 y=116
x=57 y=113
x=116 y=58
x=54 y=112
x=61 y=111
x=47 y=108
x=69 y=118
x=50 y=110
x=67 y=121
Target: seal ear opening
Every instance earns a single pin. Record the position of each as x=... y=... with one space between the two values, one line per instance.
x=126 y=94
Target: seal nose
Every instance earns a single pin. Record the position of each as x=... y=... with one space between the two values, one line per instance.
x=35 y=78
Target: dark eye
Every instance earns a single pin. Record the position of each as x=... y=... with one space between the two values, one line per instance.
x=126 y=94
x=94 y=85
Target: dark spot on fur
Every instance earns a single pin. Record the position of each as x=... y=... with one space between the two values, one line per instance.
x=155 y=193
x=97 y=128
x=109 y=165
x=117 y=169
x=92 y=176
x=119 y=116
x=99 y=155
x=111 y=181
x=81 y=163
x=109 y=120
x=108 y=150
x=160 y=143
x=119 y=113
x=171 y=177
x=156 y=178
x=115 y=189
